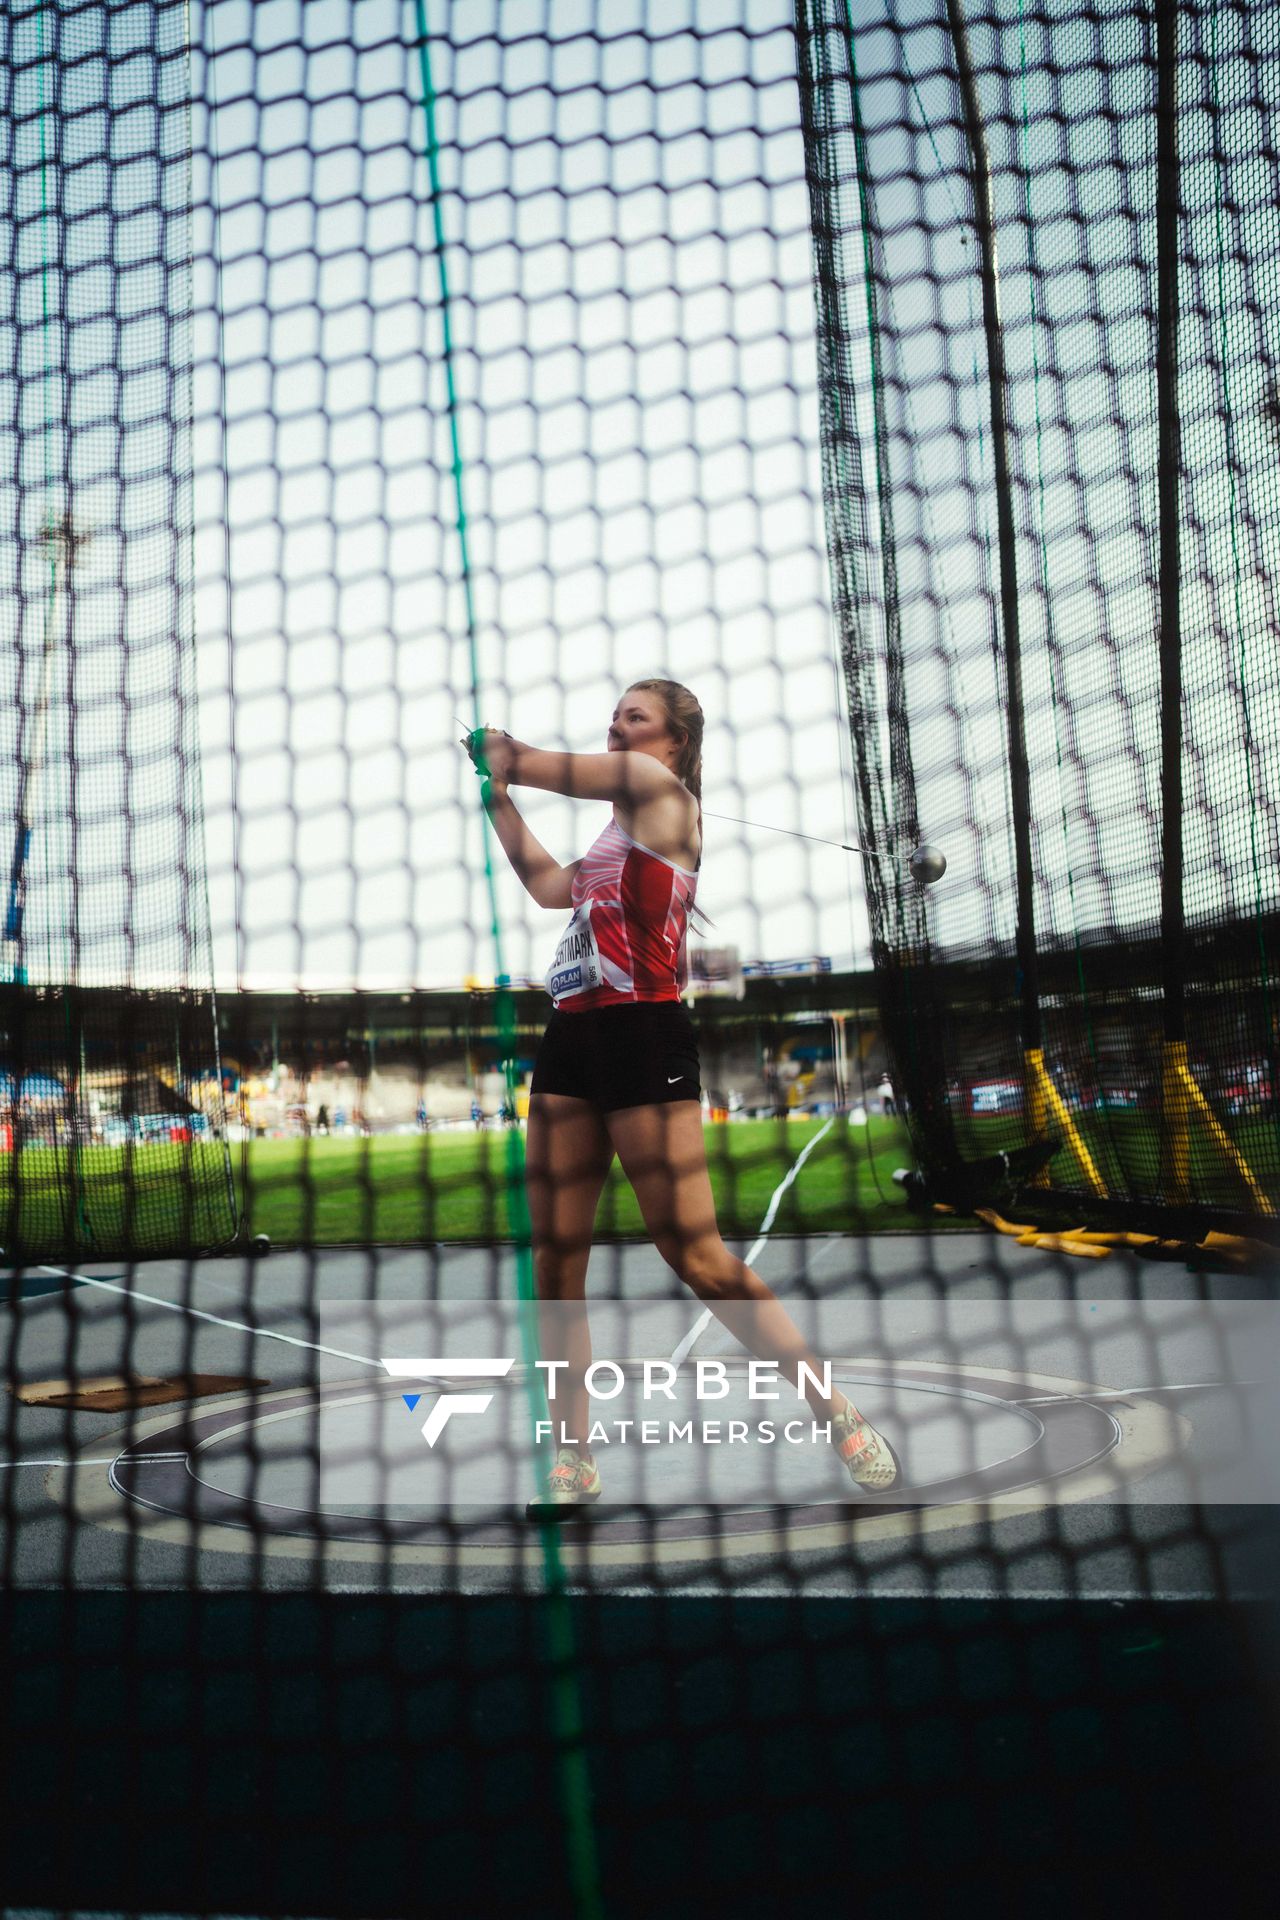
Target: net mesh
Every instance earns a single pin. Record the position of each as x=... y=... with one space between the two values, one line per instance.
x=414 y=366
x=112 y=1135
x=1047 y=329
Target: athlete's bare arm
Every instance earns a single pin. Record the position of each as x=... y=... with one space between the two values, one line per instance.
x=650 y=803
x=538 y=871
x=628 y=779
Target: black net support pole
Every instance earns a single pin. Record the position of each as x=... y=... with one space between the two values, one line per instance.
x=1019 y=772
x=1169 y=477
x=849 y=282
x=1175 y=1170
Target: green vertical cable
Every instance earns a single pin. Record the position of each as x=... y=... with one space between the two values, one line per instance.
x=46 y=435
x=64 y=552
x=567 y=1718
x=238 y=1205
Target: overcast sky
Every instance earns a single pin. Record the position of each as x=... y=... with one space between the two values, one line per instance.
x=629 y=260
x=629 y=263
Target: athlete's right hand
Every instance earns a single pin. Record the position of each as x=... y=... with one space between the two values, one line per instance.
x=473 y=742
x=490 y=750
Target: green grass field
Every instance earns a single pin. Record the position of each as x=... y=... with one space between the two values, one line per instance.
x=1125 y=1147
x=145 y=1199
x=393 y=1190
x=453 y=1186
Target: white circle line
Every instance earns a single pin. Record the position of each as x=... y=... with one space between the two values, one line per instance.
x=1145 y=1446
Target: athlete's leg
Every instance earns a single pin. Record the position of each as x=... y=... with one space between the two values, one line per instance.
x=663 y=1155
x=567 y=1159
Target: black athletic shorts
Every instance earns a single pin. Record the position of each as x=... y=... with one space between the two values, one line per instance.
x=635 y=1056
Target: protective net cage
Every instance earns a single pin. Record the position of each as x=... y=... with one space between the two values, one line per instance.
x=112 y=1135
x=1046 y=248
x=370 y=371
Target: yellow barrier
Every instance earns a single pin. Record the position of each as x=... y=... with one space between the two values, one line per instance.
x=1176 y=1063
x=1175 y=1174
x=1044 y=1099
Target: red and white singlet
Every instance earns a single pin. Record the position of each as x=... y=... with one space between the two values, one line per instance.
x=626 y=940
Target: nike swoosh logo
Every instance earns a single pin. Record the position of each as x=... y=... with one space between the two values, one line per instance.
x=673 y=1077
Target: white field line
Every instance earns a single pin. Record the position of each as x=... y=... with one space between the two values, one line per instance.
x=5 y=1465
x=700 y=1325
x=215 y=1319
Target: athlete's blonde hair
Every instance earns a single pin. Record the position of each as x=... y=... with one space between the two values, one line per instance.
x=684 y=715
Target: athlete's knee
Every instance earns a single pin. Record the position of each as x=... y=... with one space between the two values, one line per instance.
x=708 y=1267
x=559 y=1271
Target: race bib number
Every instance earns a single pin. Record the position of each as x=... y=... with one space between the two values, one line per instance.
x=576 y=967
